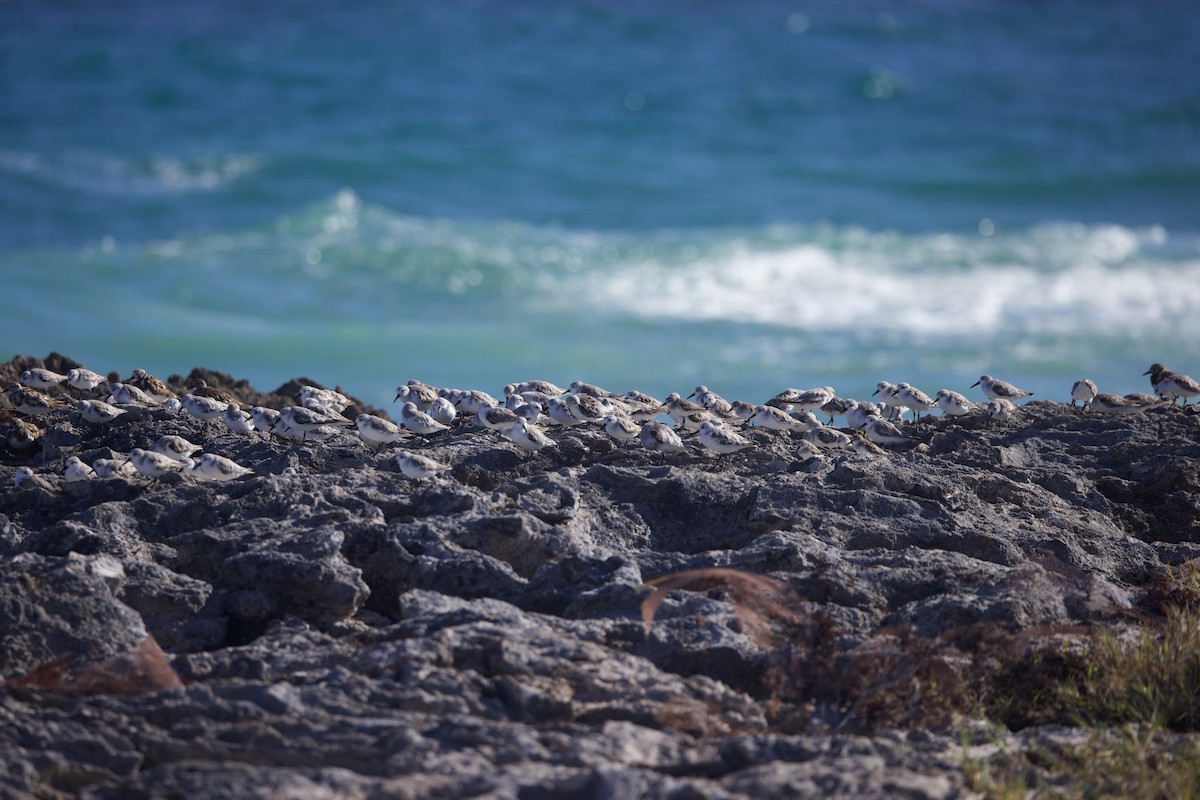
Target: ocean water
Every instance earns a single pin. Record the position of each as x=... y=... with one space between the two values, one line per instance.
x=752 y=196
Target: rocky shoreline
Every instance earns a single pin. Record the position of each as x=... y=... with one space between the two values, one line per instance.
x=328 y=627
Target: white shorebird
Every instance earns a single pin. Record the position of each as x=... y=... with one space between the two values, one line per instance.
x=212 y=467
x=497 y=419
x=684 y=412
x=98 y=412
x=203 y=407
x=31 y=402
x=469 y=402
x=529 y=437
x=419 y=467
x=75 y=470
x=443 y=411
x=712 y=401
x=126 y=394
x=543 y=387
x=803 y=399
x=890 y=407
x=914 y=399
x=264 y=418
x=419 y=394
x=1084 y=391
x=375 y=431
x=774 y=419
x=302 y=422
x=41 y=379
x=880 y=431
x=84 y=379
x=996 y=389
x=1001 y=408
x=150 y=385
x=621 y=428
x=952 y=403
x=827 y=438
x=154 y=465
x=114 y=468
x=326 y=397
x=658 y=436
x=176 y=447
x=26 y=477
x=560 y=412
x=1172 y=385
x=716 y=437
x=237 y=420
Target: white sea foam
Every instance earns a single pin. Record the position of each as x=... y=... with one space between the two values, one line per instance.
x=156 y=174
x=1054 y=279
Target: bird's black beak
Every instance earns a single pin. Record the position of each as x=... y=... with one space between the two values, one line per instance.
x=874 y=392
x=973 y=385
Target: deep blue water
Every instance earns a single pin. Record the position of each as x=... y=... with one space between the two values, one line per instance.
x=751 y=195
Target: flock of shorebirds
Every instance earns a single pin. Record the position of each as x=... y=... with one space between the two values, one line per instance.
x=524 y=416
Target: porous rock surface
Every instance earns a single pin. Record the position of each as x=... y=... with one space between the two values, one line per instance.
x=345 y=631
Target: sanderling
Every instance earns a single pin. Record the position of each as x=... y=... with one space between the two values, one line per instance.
x=741 y=410
x=857 y=414
x=31 y=402
x=149 y=384
x=469 y=402
x=803 y=399
x=1001 y=408
x=24 y=476
x=264 y=418
x=237 y=420
x=560 y=412
x=680 y=410
x=952 y=403
x=1083 y=391
x=880 y=431
x=864 y=446
x=496 y=419
x=203 y=407
x=419 y=467
x=114 y=468
x=154 y=465
x=890 y=405
x=212 y=467
x=913 y=398
x=836 y=407
x=996 y=389
x=172 y=405
x=375 y=431
x=773 y=418
x=716 y=437
x=641 y=398
x=529 y=437
x=301 y=421
x=98 y=412
x=202 y=389
x=530 y=412
x=1172 y=385
x=827 y=438
x=1105 y=403
x=658 y=436
x=124 y=394
x=579 y=387
x=41 y=379
x=22 y=434
x=175 y=447
x=330 y=411
x=76 y=470
x=543 y=387
x=327 y=397
x=419 y=394
x=1148 y=400
x=587 y=407
x=621 y=428
x=805 y=420
x=84 y=379
x=418 y=421
x=443 y=411
x=712 y=401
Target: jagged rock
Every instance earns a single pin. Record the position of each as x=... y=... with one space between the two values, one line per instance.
x=342 y=630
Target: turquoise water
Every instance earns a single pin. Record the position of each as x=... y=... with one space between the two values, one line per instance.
x=752 y=197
